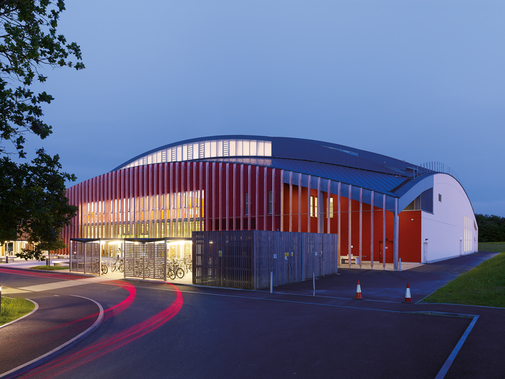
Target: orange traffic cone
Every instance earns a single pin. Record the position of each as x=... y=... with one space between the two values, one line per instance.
x=407 y=294
x=358 y=292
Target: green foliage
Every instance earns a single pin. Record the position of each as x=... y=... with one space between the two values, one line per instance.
x=36 y=252
x=32 y=195
x=50 y=268
x=484 y=285
x=29 y=41
x=491 y=228
x=14 y=308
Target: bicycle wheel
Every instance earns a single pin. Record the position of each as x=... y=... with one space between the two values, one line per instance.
x=170 y=274
x=121 y=267
x=113 y=267
x=180 y=273
x=104 y=269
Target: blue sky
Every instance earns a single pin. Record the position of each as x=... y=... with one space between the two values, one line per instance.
x=416 y=80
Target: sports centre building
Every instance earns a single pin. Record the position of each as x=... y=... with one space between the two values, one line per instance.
x=380 y=210
x=364 y=209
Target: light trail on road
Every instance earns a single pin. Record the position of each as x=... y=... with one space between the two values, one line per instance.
x=99 y=349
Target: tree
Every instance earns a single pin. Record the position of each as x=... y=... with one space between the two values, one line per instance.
x=43 y=246
x=491 y=228
x=32 y=194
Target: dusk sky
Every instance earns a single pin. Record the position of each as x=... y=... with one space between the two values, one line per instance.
x=416 y=80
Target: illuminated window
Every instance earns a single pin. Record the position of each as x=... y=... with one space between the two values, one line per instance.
x=313 y=206
x=206 y=149
x=331 y=207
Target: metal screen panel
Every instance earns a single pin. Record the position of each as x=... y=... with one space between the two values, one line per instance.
x=145 y=260
x=85 y=257
x=246 y=259
x=223 y=259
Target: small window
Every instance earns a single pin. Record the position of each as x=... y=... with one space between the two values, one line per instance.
x=440 y=197
x=270 y=203
x=331 y=207
x=246 y=204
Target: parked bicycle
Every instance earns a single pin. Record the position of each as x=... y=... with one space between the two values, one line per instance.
x=117 y=264
x=102 y=268
x=174 y=269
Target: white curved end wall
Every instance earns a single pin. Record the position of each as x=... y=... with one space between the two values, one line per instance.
x=451 y=230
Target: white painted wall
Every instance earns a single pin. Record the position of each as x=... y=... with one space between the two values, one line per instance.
x=443 y=232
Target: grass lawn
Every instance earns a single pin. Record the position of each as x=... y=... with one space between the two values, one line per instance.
x=50 y=268
x=484 y=285
x=14 y=308
x=492 y=247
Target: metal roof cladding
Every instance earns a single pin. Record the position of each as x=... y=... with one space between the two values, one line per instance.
x=327 y=160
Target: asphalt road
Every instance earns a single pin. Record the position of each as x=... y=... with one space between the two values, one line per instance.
x=157 y=330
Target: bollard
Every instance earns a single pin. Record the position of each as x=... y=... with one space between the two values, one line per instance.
x=271 y=282
x=6 y=259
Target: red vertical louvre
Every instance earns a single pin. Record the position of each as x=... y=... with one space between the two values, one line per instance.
x=122 y=175
x=208 y=226
x=171 y=199
x=290 y=201
x=164 y=193
x=150 y=197
x=78 y=203
x=309 y=221
x=265 y=199
x=219 y=195
x=241 y=197
x=256 y=197
x=101 y=220
x=227 y=197
x=144 y=197
x=201 y=211
x=177 y=203
x=92 y=201
x=319 y=205
x=157 y=196
x=195 y=188
x=96 y=201
x=249 y=197
x=328 y=209
x=188 y=199
x=234 y=196
x=105 y=206
x=214 y=190
x=121 y=194
x=82 y=205
x=274 y=202
x=281 y=202
x=113 y=195
x=183 y=199
x=134 y=207
x=80 y=216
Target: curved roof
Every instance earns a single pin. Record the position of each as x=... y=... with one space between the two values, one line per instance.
x=352 y=166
